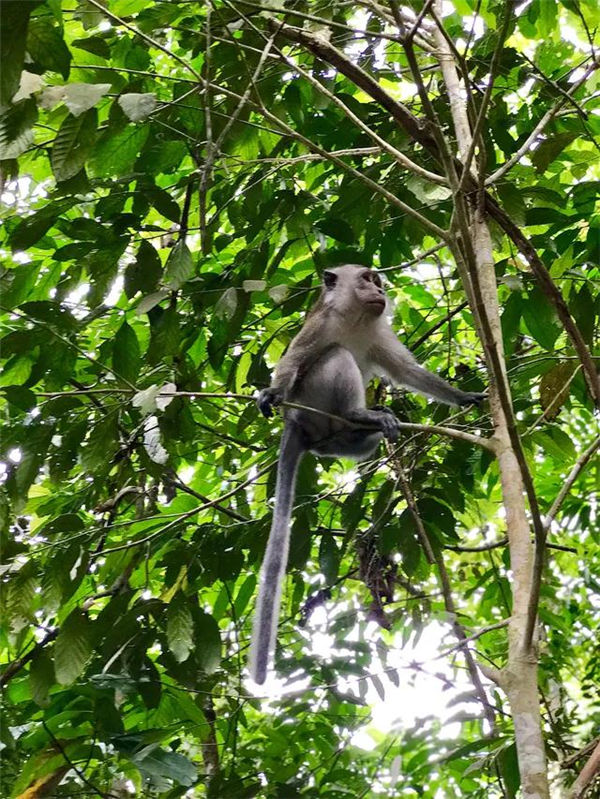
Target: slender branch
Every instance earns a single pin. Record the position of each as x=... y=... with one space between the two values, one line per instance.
x=68 y=342
x=449 y=604
x=462 y=644
x=495 y=63
x=145 y=37
x=328 y=23
x=481 y=548
x=417 y=259
x=178 y=484
x=210 y=151
x=396 y=154
x=453 y=432
x=588 y=773
x=450 y=315
x=555 y=86
x=583 y=752
x=550 y=114
x=578 y=467
x=78 y=771
x=417 y=23
x=16 y=665
x=184 y=516
x=298 y=159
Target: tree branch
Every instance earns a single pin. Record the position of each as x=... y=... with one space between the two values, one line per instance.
x=588 y=773
x=449 y=603
x=578 y=467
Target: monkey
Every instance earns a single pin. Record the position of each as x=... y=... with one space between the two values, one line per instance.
x=345 y=341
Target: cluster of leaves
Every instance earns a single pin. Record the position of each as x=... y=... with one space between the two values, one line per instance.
x=149 y=282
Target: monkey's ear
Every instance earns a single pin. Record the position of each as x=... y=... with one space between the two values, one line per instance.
x=329 y=279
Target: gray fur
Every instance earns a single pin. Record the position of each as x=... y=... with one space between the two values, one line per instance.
x=345 y=341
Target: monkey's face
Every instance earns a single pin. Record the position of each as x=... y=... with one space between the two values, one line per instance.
x=355 y=289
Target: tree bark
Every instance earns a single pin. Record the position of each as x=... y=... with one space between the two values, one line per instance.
x=519 y=677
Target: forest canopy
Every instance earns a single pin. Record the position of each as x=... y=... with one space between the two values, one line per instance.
x=175 y=178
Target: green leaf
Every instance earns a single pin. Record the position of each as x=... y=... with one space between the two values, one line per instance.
x=164 y=334
x=47 y=47
x=14 y=18
x=352 y=507
x=80 y=97
x=179 y=266
x=337 y=229
x=73 y=647
x=164 y=203
x=32 y=228
x=208 y=648
x=101 y=444
x=20 y=596
x=93 y=44
x=41 y=678
x=22 y=398
x=540 y=319
x=329 y=558
x=115 y=153
x=137 y=106
x=508 y=765
x=143 y=275
x=180 y=627
x=126 y=358
x=16 y=127
x=244 y=594
x=156 y=763
x=34 y=450
x=582 y=306
x=74 y=144
x=551 y=148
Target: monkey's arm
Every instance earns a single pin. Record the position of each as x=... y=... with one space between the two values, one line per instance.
x=400 y=365
x=304 y=350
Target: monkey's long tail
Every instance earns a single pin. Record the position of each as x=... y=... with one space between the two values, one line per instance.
x=266 y=617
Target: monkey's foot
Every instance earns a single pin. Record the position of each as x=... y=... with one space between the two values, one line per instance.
x=268 y=399
x=387 y=421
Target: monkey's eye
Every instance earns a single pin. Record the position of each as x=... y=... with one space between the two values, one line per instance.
x=367 y=276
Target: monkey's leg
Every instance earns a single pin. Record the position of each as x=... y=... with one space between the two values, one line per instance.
x=383 y=420
x=335 y=385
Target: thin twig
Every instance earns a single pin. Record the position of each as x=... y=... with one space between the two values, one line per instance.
x=588 y=773
x=78 y=771
x=498 y=626
x=578 y=467
x=480 y=441
x=383 y=144
x=211 y=504
x=530 y=140
x=494 y=65
x=449 y=603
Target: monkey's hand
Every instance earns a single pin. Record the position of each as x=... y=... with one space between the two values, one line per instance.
x=472 y=398
x=268 y=399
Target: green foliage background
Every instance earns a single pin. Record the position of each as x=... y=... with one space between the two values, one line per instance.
x=146 y=275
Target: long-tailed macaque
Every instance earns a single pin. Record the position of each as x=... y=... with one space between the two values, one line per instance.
x=345 y=341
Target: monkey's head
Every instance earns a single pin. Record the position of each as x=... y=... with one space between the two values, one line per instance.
x=352 y=289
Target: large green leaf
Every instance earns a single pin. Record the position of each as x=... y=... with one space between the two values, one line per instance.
x=74 y=144
x=180 y=627
x=73 y=647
